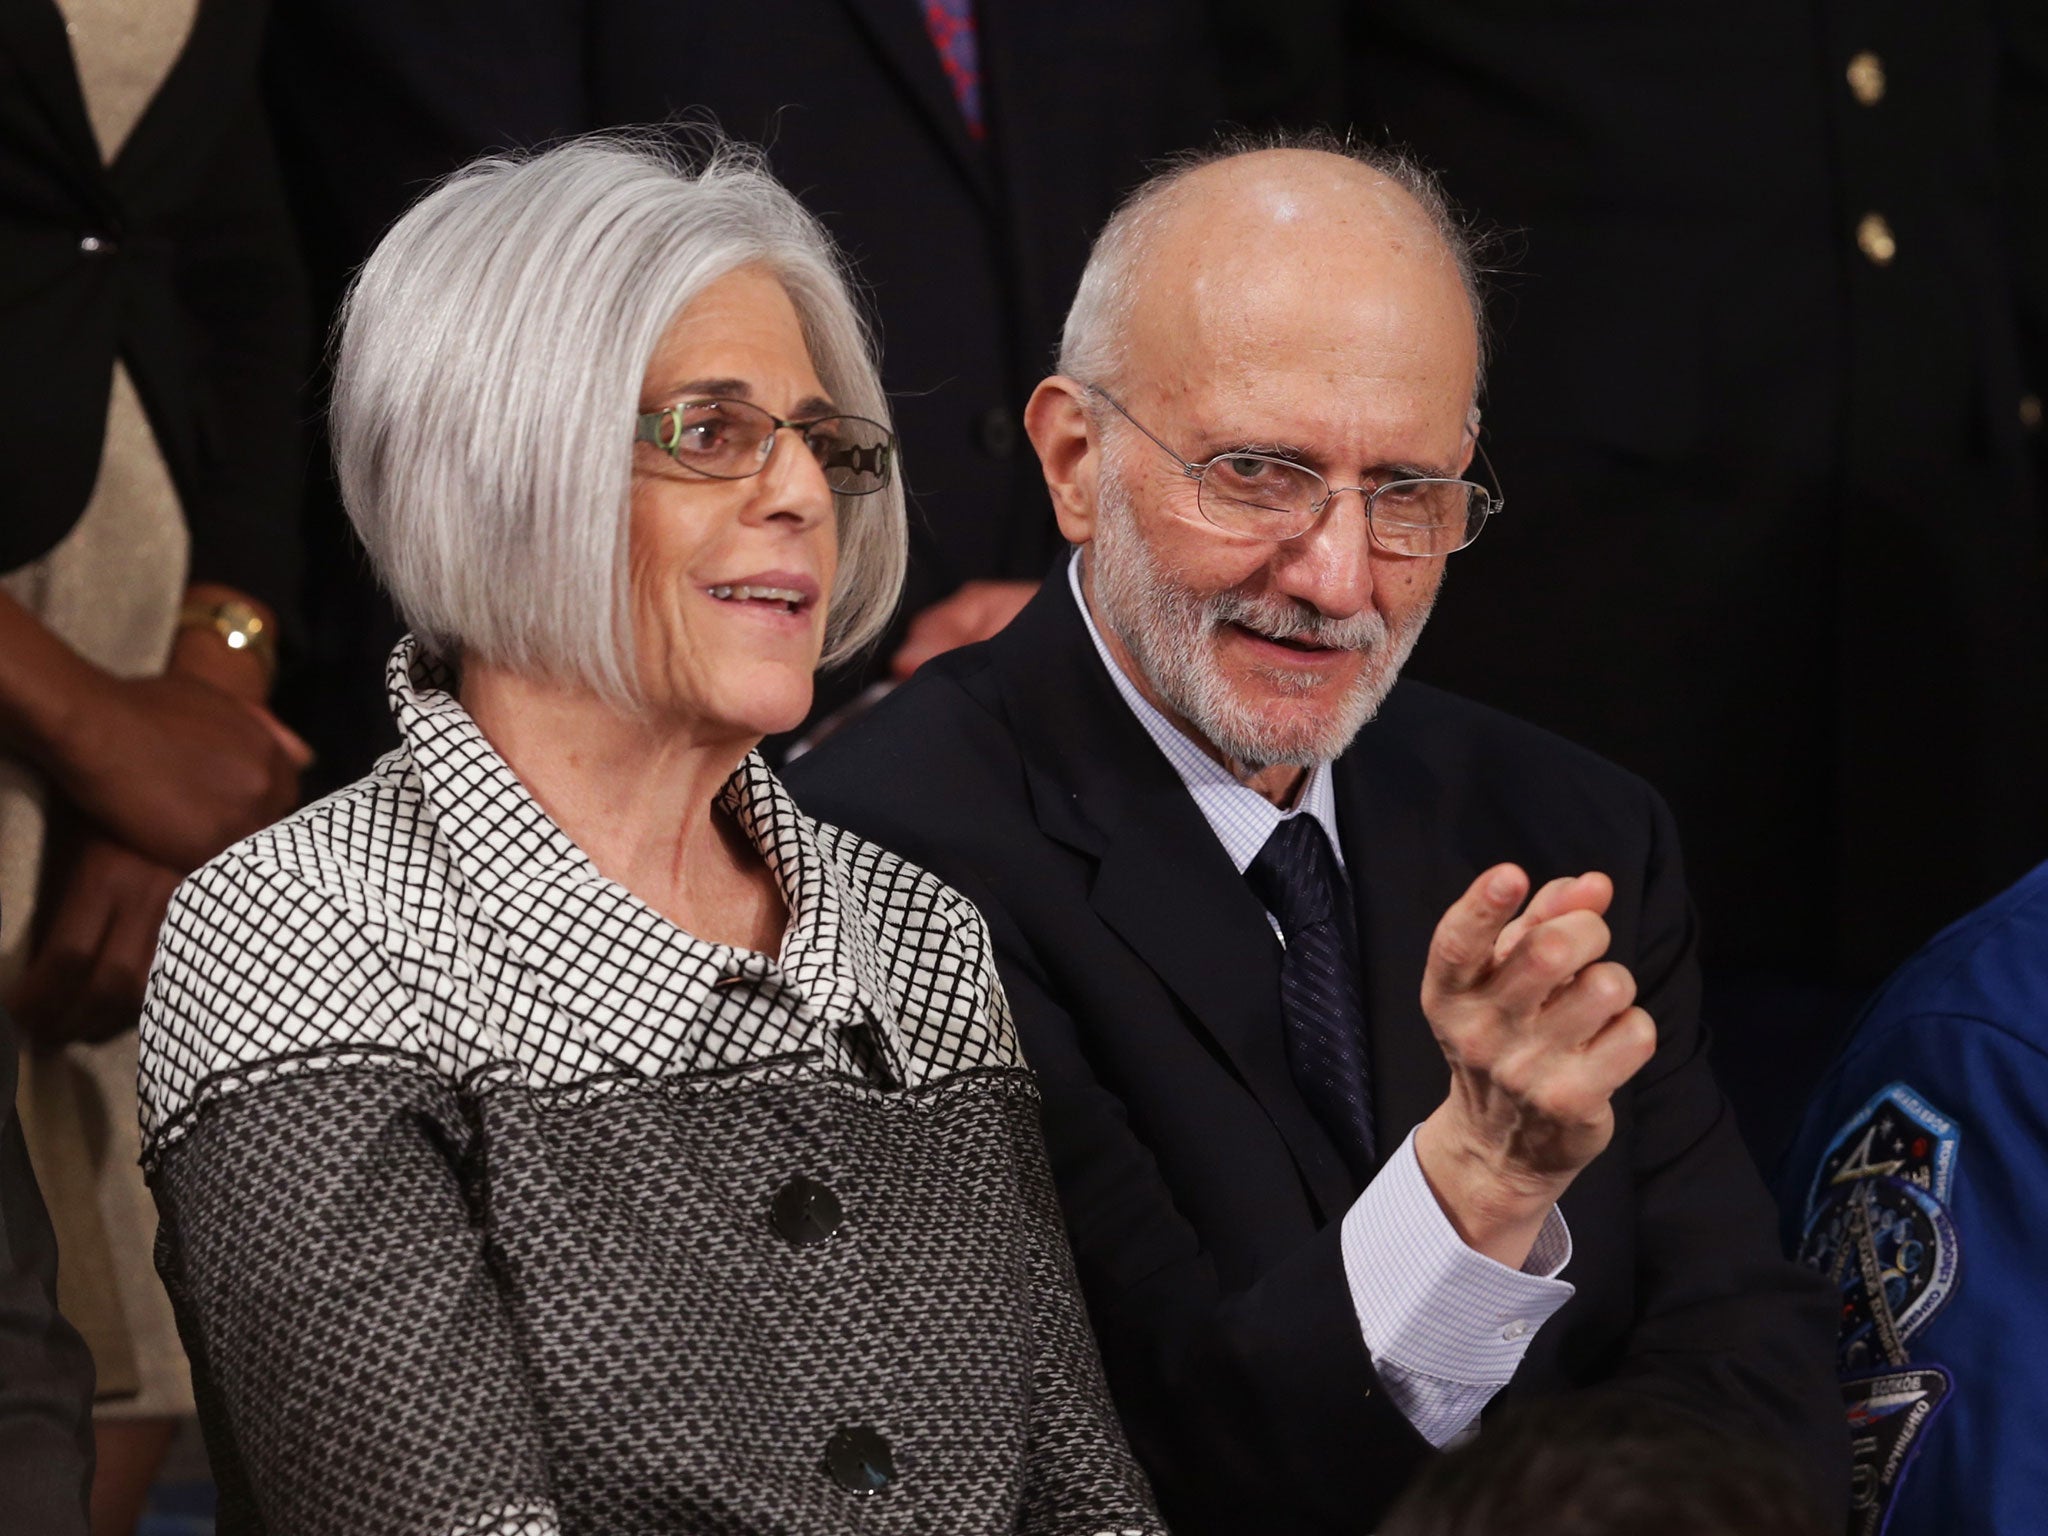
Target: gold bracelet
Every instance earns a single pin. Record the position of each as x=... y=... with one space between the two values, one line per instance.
x=240 y=625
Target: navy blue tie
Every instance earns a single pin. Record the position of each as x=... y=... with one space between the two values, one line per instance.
x=1297 y=877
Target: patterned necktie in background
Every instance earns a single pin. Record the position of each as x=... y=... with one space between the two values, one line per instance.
x=951 y=24
x=1297 y=878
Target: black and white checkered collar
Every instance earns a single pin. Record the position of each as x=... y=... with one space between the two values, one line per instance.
x=610 y=958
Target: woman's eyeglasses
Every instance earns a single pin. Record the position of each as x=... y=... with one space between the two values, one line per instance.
x=732 y=439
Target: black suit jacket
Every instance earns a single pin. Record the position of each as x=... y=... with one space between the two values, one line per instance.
x=968 y=251
x=1202 y=1197
x=45 y=1373
x=1767 y=500
x=179 y=260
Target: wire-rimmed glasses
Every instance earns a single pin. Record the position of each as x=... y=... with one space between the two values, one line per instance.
x=1258 y=495
x=726 y=439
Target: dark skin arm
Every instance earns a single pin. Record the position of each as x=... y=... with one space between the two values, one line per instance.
x=168 y=771
x=176 y=767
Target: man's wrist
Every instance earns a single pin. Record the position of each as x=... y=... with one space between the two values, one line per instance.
x=203 y=654
x=227 y=639
x=1495 y=1210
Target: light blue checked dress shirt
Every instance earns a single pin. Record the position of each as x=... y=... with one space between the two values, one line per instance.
x=1446 y=1325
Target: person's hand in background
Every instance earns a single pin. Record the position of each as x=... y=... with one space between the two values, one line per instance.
x=977 y=611
x=159 y=775
x=175 y=767
x=97 y=937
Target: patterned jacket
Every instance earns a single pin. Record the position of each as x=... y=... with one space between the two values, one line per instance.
x=493 y=1202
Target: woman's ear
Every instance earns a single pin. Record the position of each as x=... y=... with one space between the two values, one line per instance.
x=1056 y=418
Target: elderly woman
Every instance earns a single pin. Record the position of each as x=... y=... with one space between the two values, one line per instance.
x=557 y=1130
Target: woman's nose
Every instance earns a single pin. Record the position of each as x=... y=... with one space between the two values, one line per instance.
x=792 y=480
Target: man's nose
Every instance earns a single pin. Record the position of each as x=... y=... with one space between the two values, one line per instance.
x=1330 y=566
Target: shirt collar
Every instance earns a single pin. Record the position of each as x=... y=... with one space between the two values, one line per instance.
x=1241 y=818
x=589 y=935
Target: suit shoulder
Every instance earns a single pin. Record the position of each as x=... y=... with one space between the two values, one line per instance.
x=1990 y=966
x=1466 y=739
x=937 y=743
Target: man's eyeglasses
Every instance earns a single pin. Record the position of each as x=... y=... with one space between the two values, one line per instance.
x=1262 y=497
x=732 y=439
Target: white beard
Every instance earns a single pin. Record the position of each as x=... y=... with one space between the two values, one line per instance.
x=1171 y=633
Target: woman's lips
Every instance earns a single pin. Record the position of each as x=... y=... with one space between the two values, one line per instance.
x=776 y=591
x=790 y=599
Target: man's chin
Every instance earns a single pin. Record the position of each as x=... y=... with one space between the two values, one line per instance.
x=1274 y=722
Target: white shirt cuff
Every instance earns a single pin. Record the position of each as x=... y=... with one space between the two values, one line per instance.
x=1447 y=1326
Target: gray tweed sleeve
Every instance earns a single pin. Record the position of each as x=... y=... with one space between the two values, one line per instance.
x=330 y=1277
x=1080 y=1476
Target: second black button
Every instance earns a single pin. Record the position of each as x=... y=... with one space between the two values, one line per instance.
x=805 y=1212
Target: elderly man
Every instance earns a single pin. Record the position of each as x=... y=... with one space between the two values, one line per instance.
x=1337 y=1172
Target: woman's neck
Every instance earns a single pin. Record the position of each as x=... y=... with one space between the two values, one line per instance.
x=637 y=795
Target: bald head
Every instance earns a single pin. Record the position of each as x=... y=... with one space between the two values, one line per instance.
x=1268 y=237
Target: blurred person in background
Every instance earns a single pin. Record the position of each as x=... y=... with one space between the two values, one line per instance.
x=1773 y=350
x=1915 y=1186
x=558 y=1130
x=152 y=345
x=1597 y=1464
x=45 y=1371
x=961 y=152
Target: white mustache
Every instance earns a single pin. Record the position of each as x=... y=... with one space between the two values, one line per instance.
x=1280 y=618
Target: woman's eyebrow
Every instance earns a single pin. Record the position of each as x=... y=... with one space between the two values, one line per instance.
x=806 y=409
x=716 y=389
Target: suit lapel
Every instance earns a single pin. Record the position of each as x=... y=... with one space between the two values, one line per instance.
x=1404 y=874
x=898 y=32
x=1163 y=883
x=33 y=31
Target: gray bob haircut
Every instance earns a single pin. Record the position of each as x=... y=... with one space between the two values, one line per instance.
x=1091 y=343
x=490 y=361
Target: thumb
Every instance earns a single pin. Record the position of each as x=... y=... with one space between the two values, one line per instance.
x=288 y=740
x=1461 y=951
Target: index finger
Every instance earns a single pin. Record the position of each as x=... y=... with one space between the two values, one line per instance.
x=1569 y=893
x=1462 y=949
x=1590 y=892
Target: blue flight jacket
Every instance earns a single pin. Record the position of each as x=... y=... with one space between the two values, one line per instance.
x=1919 y=1181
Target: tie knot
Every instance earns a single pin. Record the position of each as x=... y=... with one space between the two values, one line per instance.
x=1296 y=875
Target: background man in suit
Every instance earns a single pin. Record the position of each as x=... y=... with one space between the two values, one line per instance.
x=962 y=154
x=1308 y=1263
x=1773 y=353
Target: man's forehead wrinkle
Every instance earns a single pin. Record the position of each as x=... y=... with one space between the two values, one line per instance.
x=1229 y=240
x=1305 y=189
x=1309 y=307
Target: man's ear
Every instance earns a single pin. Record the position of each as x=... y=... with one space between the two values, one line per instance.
x=1471 y=443
x=1056 y=418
